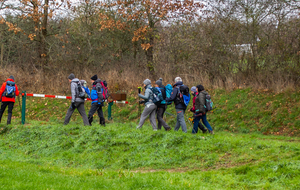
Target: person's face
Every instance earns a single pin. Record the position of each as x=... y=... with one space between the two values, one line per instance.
x=156 y=85
x=144 y=85
x=92 y=81
x=70 y=80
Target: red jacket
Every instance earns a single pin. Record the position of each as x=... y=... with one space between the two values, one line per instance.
x=2 y=89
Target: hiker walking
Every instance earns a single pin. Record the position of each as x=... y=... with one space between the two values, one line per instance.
x=150 y=107
x=78 y=98
x=161 y=107
x=8 y=93
x=180 y=105
x=97 y=100
x=200 y=110
x=195 y=93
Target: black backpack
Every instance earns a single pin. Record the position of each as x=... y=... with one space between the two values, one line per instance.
x=81 y=91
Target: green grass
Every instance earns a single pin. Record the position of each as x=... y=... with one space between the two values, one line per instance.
x=243 y=154
x=53 y=156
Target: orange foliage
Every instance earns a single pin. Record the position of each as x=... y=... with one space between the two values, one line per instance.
x=146 y=13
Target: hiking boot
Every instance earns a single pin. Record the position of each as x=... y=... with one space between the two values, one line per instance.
x=204 y=131
x=169 y=129
x=211 y=132
x=154 y=129
x=138 y=127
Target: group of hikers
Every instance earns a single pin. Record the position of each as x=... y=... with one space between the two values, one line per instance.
x=156 y=99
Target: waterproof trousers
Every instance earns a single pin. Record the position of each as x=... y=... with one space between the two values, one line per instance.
x=96 y=107
x=180 y=120
x=10 y=106
x=160 y=118
x=149 y=110
x=81 y=110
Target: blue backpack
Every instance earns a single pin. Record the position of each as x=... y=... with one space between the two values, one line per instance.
x=169 y=90
x=184 y=94
x=157 y=95
x=10 y=90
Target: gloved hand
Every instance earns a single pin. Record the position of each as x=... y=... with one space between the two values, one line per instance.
x=73 y=105
x=141 y=102
x=139 y=90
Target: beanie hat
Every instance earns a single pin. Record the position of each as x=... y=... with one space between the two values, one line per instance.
x=71 y=76
x=200 y=88
x=147 y=82
x=159 y=82
x=194 y=89
x=178 y=79
x=95 y=77
x=11 y=77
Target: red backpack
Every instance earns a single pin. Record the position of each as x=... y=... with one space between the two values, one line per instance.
x=104 y=90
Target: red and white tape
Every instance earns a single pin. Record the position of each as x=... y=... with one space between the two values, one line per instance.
x=65 y=97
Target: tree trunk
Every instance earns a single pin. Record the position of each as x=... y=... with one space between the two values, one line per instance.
x=44 y=54
x=2 y=52
x=149 y=56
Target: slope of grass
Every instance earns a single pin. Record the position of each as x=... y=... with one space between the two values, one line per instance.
x=53 y=156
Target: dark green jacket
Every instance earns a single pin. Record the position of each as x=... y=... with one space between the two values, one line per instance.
x=200 y=102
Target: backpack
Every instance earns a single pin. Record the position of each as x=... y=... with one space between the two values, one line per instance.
x=81 y=91
x=168 y=90
x=85 y=88
x=163 y=91
x=157 y=95
x=104 y=90
x=10 y=89
x=208 y=103
x=184 y=94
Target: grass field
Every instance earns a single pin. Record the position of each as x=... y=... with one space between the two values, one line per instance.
x=51 y=156
x=255 y=146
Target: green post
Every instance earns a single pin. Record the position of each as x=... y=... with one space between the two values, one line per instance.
x=109 y=110
x=23 y=106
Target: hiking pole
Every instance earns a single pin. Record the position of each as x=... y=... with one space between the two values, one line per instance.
x=140 y=90
x=170 y=114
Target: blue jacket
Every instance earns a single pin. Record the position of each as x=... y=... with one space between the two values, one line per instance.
x=148 y=97
x=174 y=97
x=96 y=92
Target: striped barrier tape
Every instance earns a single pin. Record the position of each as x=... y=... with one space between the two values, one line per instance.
x=66 y=97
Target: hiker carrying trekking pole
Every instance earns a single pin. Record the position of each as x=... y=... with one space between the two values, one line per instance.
x=8 y=93
x=150 y=107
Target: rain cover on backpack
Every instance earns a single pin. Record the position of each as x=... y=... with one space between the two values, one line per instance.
x=208 y=103
x=169 y=90
x=10 y=89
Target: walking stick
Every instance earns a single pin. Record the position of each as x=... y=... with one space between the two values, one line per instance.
x=139 y=90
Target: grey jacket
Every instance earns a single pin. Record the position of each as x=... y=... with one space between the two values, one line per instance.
x=148 y=95
x=200 y=102
x=74 y=91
